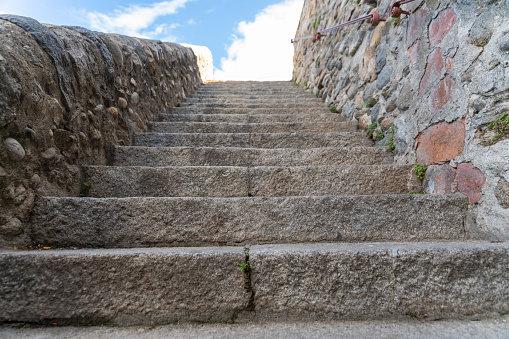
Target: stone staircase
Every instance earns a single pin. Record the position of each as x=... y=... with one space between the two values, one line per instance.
x=260 y=176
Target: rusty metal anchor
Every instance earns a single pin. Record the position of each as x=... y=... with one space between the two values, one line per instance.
x=396 y=10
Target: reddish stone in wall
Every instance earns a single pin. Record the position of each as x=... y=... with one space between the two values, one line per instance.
x=441 y=95
x=439 y=27
x=415 y=23
x=441 y=179
x=414 y=51
x=470 y=182
x=441 y=142
x=433 y=70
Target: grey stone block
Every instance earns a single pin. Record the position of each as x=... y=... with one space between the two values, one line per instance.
x=369 y=281
x=209 y=181
x=136 y=222
x=273 y=127
x=253 y=140
x=122 y=287
x=274 y=104
x=234 y=156
x=252 y=110
x=253 y=118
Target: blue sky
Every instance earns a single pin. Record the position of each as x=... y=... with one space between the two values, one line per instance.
x=240 y=34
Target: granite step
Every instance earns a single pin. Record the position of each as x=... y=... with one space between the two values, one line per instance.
x=248 y=157
x=251 y=111
x=122 y=287
x=253 y=140
x=222 y=181
x=149 y=222
x=373 y=281
x=285 y=282
x=273 y=127
x=254 y=118
x=262 y=100
x=256 y=104
x=253 y=96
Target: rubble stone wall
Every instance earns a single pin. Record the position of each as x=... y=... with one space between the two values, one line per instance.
x=435 y=83
x=68 y=96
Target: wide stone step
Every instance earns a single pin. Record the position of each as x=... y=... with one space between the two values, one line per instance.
x=268 y=101
x=290 y=282
x=251 y=111
x=250 y=96
x=253 y=118
x=367 y=281
x=273 y=127
x=249 y=90
x=122 y=287
x=256 y=104
x=285 y=95
x=249 y=157
x=212 y=181
x=253 y=140
x=147 y=222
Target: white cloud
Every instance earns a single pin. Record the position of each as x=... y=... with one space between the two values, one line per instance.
x=135 y=20
x=191 y=22
x=265 y=51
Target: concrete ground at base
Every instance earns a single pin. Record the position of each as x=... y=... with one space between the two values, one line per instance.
x=497 y=328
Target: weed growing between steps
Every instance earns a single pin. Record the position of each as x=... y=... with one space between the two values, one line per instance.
x=85 y=189
x=420 y=170
x=245 y=268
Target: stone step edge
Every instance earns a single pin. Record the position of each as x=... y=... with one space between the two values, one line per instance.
x=251 y=167
x=160 y=222
x=250 y=148
x=265 y=290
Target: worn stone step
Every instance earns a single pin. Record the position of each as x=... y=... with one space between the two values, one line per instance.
x=249 y=157
x=248 y=83
x=268 y=101
x=247 y=86
x=273 y=127
x=253 y=118
x=253 y=140
x=251 y=111
x=253 y=96
x=490 y=327
x=146 y=222
x=371 y=281
x=122 y=287
x=213 y=181
x=255 y=104
x=286 y=282
x=245 y=93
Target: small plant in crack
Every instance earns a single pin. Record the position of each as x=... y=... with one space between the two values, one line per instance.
x=85 y=188
x=379 y=135
x=333 y=109
x=501 y=129
x=244 y=266
x=420 y=170
x=371 y=130
x=395 y=21
x=390 y=143
x=417 y=315
x=366 y=104
x=482 y=43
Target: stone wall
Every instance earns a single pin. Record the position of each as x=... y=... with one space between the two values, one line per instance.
x=67 y=97
x=434 y=83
